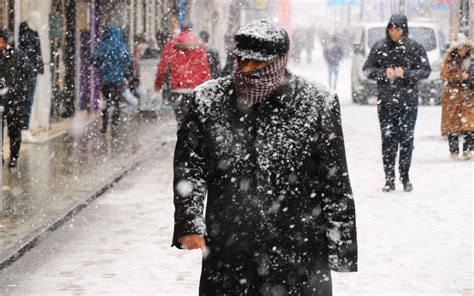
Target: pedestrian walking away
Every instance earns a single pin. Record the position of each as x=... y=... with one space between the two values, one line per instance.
x=397 y=64
x=29 y=43
x=184 y=58
x=333 y=53
x=457 y=117
x=16 y=73
x=212 y=56
x=114 y=61
x=262 y=151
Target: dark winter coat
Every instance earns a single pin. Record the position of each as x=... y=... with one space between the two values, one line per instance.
x=409 y=55
x=112 y=57
x=333 y=52
x=457 y=100
x=15 y=73
x=214 y=62
x=29 y=43
x=279 y=212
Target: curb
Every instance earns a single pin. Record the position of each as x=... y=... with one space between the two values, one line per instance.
x=31 y=240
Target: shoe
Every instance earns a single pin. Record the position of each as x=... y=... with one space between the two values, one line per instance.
x=407 y=186
x=389 y=186
x=12 y=163
x=454 y=156
x=103 y=129
x=467 y=155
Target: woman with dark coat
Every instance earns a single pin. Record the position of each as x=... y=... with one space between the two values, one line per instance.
x=265 y=149
x=29 y=43
x=457 y=100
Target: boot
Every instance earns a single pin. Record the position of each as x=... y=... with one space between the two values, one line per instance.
x=467 y=155
x=13 y=162
x=407 y=186
x=454 y=155
x=389 y=186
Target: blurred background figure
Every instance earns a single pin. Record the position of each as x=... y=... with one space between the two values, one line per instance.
x=333 y=53
x=457 y=117
x=309 y=43
x=184 y=56
x=16 y=73
x=212 y=56
x=141 y=45
x=297 y=44
x=113 y=59
x=29 y=43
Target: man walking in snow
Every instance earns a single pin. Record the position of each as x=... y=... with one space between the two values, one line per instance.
x=184 y=58
x=397 y=63
x=264 y=148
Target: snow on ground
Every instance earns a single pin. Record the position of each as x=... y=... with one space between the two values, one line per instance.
x=417 y=243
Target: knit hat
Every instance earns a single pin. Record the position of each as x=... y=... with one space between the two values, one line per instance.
x=261 y=40
x=4 y=34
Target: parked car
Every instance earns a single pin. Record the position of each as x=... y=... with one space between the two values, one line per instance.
x=424 y=32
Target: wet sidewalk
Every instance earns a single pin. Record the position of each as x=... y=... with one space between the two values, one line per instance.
x=60 y=176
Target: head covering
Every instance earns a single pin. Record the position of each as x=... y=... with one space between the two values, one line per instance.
x=257 y=86
x=4 y=34
x=261 y=40
x=399 y=21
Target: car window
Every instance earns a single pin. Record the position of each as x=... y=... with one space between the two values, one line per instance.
x=424 y=36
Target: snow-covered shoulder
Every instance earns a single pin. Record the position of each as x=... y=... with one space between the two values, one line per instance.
x=317 y=94
x=212 y=91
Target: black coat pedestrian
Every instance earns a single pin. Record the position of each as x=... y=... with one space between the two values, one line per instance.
x=15 y=73
x=279 y=212
x=29 y=43
x=408 y=54
x=214 y=62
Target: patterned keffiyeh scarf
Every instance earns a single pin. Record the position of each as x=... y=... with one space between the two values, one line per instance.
x=260 y=84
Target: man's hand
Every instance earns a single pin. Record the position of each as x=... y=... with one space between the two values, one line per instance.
x=193 y=241
x=389 y=73
x=465 y=75
x=399 y=72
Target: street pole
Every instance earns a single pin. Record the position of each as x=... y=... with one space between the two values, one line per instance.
x=471 y=20
x=402 y=7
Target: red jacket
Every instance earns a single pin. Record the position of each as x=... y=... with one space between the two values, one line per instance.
x=186 y=57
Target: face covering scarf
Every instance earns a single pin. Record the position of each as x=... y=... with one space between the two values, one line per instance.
x=260 y=84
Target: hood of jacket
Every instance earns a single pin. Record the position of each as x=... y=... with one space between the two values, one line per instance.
x=186 y=40
x=398 y=20
x=33 y=20
x=456 y=45
x=112 y=33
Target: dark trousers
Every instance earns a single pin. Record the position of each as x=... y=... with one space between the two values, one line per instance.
x=397 y=124
x=112 y=93
x=181 y=104
x=13 y=118
x=454 y=142
x=26 y=110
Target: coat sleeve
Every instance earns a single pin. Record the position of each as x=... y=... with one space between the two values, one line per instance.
x=190 y=175
x=39 y=67
x=421 y=69
x=449 y=73
x=372 y=68
x=338 y=203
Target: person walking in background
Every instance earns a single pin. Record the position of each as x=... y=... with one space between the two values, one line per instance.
x=457 y=101
x=16 y=73
x=263 y=152
x=112 y=58
x=333 y=53
x=29 y=43
x=397 y=64
x=309 y=43
x=185 y=58
x=212 y=56
x=141 y=45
